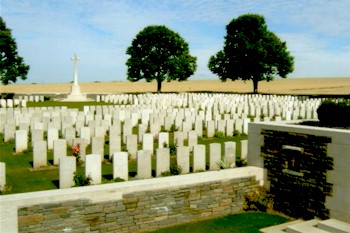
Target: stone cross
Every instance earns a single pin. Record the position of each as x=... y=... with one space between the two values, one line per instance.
x=75 y=60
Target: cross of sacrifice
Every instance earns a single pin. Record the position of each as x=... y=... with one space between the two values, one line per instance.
x=75 y=60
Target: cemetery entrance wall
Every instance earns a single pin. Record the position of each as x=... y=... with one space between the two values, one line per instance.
x=307 y=168
x=132 y=206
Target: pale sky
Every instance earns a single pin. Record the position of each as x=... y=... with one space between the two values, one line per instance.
x=49 y=32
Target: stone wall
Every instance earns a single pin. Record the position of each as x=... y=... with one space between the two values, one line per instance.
x=133 y=206
x=307 y=168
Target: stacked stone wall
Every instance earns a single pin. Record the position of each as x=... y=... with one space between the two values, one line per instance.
x=140 y=211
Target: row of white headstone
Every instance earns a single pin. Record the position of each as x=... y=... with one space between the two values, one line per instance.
x=187 y=114
x=67 y=164
x=154 y=116
x=21 y=101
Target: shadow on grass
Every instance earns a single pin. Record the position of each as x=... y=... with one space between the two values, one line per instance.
x=132 y=174
x=51 y=162
x=56 y=183
x=108 y=176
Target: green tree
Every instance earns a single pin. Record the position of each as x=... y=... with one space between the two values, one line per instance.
x=11 y=65
x=158 y=53
x=251 y=52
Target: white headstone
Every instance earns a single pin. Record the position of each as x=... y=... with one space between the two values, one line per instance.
x=52 y=135
x=245 y=125
x=59 y=150
x=229 y=127
x=131 y=145
x=214 y=156
x=2 y=175
x=192 y=139
x=21 y=140
x=120 y=165
x=163 y=161
x=114 y=143
x=144 y=164
x=9 y=131
x=127 y=129
x=183 y=158
x=155 y=128
x=199 y=128
x=147 y=143
x=67 y=167
x=141 y=132
x=244 y=149
x=93 y=168
x=39 y=154
x=70 y=134
x=179 y=138
x=199 y=158
x=163 y=140
x=210 y=129
x=230 y=153
x=97 y=146
x=221 y=126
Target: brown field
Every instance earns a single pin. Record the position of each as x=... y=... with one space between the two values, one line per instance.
x=298 y=86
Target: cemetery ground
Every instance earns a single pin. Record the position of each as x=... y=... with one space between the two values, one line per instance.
x=21 y=177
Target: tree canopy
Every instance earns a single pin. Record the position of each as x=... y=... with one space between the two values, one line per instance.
x=11 y=64
x=251 y=52
x=158 y=53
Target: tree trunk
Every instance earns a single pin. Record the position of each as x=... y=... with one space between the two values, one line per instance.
x=159 y=86
x=255 y=86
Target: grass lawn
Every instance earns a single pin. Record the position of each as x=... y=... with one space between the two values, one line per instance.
x=249 y=222
x=78 y=105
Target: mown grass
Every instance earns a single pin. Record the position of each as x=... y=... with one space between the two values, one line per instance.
x=77 y=105
x=249 y=222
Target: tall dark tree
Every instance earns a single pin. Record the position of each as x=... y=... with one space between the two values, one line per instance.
x=251 y=52
x=158 y=53
x=11 y=65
